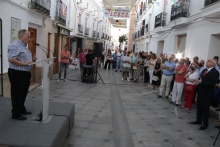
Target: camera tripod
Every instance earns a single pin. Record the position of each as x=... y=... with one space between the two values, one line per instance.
x=97 y=74
x=216 y=137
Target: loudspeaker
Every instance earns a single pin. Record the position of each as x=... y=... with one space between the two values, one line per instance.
x=97 y=49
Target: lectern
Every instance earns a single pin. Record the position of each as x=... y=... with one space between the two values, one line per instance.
x=45 y=85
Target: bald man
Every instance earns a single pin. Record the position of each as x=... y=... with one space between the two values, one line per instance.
x=206 y=84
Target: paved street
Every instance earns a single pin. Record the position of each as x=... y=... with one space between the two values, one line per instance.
x=125 y=114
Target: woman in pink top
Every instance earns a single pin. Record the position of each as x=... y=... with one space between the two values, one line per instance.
x=64 y=62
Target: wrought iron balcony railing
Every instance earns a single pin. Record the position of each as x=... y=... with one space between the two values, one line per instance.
x=86 y=31
x=42 y=6
x=160 y=20
x=180 y=9
x=80 y=28
x=209 y=2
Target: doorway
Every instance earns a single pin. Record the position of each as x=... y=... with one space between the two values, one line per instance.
x=160 y=47
x=214 y=46
x=32 y=48
x=56 y=53
x=181 y=44
x=1 y=55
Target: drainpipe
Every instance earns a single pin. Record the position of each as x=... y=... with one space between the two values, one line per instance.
x=1 y=56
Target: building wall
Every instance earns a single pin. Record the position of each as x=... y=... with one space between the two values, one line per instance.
x=201 y=35
x=132 y=23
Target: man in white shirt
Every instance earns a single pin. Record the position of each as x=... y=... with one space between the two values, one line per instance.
x=126 y=67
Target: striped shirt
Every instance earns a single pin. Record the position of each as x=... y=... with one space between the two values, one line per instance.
x=18 y=50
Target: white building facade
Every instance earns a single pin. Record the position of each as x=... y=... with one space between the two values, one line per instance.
x=89 y=26
x=52 y=24
x=189 y=27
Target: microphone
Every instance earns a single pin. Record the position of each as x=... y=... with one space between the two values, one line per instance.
x=40 y=46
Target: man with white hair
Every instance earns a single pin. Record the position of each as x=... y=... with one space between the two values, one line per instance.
x=206 y=85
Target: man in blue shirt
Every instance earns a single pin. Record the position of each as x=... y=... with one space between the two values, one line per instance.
x=114 y=62
x=168 y=70
x=19 y=72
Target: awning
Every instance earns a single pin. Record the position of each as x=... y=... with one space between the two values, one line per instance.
x=62 y=26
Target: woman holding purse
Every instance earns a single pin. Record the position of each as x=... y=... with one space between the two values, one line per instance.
x=190 y=87
x=108 y=59
x=157 y=74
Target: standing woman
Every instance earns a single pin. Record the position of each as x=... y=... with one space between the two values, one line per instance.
x=151 y=66
x=157 y=74
x=138 y=68
x=190 y=87
x=108 y=59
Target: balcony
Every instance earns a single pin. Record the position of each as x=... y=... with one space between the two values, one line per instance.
x=97 y=34
x=87 y=31
x=142 y=31
x=146 y=28
x=41 y=6
x=93 y=33
x=180 y=9
x=80 y=28
x=160 y=20
x=61 y=12
x=209 y=2
x=102 y=36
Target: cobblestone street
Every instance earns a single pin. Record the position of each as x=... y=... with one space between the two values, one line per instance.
x=125 y=114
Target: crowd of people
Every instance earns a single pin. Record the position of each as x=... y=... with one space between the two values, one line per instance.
x=176 y=79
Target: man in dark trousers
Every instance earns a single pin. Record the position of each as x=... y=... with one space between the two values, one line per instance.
x=19 y=73
x=89 y=62
x=206 y=84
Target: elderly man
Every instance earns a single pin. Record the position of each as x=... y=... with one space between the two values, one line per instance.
x=201 y=67
x=168 y=71
x=206 y=85
x=179 y=72
x=19 y=73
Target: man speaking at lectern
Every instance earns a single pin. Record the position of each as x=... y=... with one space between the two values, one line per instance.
x=19 y=73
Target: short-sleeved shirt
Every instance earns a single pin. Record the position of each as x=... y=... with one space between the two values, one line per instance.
x=18 y=50
x=119 y=55
x=89 y=59
x=193 y=76
x=127 y=58
x=180 y=77
x=82 y=57
x=67 y=55
x=170 y=65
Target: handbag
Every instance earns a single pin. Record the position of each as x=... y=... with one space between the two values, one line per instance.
x=155 y=78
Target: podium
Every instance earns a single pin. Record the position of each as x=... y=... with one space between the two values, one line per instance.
x=45 y=87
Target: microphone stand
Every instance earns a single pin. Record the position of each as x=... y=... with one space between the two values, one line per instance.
x=37 y=44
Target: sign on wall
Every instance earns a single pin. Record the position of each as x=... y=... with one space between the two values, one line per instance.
x=15 y=27
x=116 y=13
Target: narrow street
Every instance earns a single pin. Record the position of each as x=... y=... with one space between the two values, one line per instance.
x=125 y=114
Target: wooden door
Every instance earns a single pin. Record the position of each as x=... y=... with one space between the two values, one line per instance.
x=32 y=48
x=56 y=54
x=48 y=46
